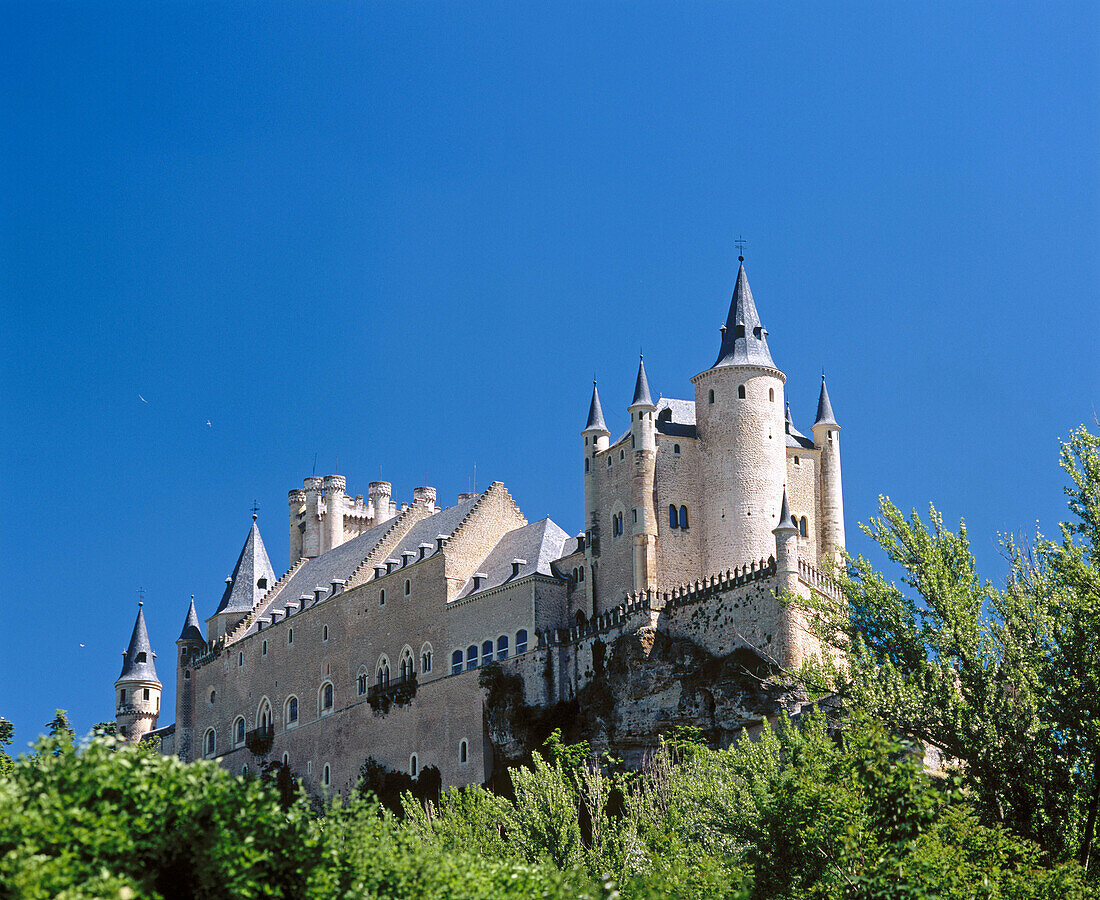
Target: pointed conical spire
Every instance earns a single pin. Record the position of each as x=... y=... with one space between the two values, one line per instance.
x=137 y=661
x=641 y=386
x=595 y=413
x=824 y=407
x=786 y=520
x=744 y=339
x=191 y=630
x=251 y=578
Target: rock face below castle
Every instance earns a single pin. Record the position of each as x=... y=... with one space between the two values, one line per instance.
x=458 y=636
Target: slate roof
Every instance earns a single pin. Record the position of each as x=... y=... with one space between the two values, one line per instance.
x=538 y=544
x=796 y=438
x=242 y=592
x=641 y=387
x=744 y=341
x=786 y=520
x=137 y=661
x=824 y=407
x=595 y=413
x=682 y=422
x=191 y=629
x=342 y=561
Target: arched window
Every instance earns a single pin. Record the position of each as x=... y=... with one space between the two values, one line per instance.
x=407 y=664
x=740 y=392
x=326 y=775
x=673 y=521
x=486 y=652
x=412 y=765
x=408 y=587
x=213 y=695
x=324 y=633
x=683 y=517
x=676 y=449
x=326 y=698
x=463 y=752
x=710 y=396
x=286 y=760
x=426 y=658
x=521 y=641
x=238 y=731
x=456 y=662
x=581 y=570
x=290 y=711
x=622 y=453
x=209 y=743
x=361 y=681
x=803 y=527
x=502 y=647
x=771 y=394
x=471 y=657
x=382 y=673
x=264 y=719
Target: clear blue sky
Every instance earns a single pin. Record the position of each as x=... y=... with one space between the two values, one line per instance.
x=403 y=236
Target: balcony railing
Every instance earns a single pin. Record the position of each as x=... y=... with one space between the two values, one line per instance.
x=398 y=690
x=259 y=740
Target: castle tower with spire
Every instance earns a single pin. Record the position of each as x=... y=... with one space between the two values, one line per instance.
x=739 y=416
x=251 y=578
x=643 y=516
x=137 y=688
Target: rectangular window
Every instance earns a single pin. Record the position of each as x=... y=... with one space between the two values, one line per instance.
x=145 y=694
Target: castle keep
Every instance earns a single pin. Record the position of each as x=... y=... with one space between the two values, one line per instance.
x=697 y=520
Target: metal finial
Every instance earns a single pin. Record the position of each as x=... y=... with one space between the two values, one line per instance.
x=740 y=244
x=141 y=595
x=255 y=507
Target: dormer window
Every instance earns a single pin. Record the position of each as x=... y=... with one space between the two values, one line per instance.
x=140 y=657
x=478 y=578
x=516 y=564
x=439 y=539
x=261 y=583
x=738 y=331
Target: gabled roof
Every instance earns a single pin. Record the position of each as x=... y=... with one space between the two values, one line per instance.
x=744 y=340
x=595 y=413
x=191 y=630
x=679 y=420
x=641 y=387
x=242 y=591
x=537 y=544
x=824 y=407
x=137 y=661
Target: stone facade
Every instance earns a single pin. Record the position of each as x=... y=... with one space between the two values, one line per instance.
x=698 y=521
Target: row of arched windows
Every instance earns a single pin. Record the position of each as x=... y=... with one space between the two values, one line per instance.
x=486 y=653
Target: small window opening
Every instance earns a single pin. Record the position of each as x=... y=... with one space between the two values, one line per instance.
x=263 y=649
x=145 y=693
x=710 y=396
x=581 y=573
x=471 y=657
x=426 y=661
x=240 y=659
x=740 y=392
x=586 y=465
x=290 y=635
x=412 y=765
x=456 y=662
x=673 y=519
x=486 y=653
x=463 y=752
x=803 y=527
x=291 y=710
x=326 y=775
x=213 y=694
x=771 y=394
x=382 y=597
x=502 y=647
x=521 y=641
x=261 y=583
x=324 y=633
x=683 y=517
x=361 y=683
x=408 y=587
x=676 y=449
x=141 y=657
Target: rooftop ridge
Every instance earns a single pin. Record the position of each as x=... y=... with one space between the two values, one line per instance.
x=494 y=488
x=387 y=542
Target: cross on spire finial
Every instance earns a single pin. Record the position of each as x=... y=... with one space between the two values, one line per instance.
x=141 y=596
x=740 y=244
x=255 y=507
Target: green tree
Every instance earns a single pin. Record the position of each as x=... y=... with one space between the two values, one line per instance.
x=1003 y=682
x=7 y=736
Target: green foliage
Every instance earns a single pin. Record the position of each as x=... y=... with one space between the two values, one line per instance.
x=60 y=728
x=1005 y=683
x=7 y=736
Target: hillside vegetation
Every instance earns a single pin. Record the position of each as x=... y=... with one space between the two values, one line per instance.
x=1002 y=684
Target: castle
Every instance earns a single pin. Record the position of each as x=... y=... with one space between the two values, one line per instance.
x=697 y=520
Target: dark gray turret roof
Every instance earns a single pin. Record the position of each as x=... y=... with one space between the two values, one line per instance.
x=824 y=407
x=744 y=340
x=641 y=387
x=796 y=438
x=786 y=520
x=137 y=661
x=242 y=590
x=191 y=630
x=595 y=413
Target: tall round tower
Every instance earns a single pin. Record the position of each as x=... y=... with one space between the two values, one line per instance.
x=643 y=440
x=739 y=421
x=596 y=439
x=332 y=529
x=827 y=440
x=137 y=689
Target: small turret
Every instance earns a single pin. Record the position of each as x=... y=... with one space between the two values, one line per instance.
x=378 y=492
x=191 y=645
x=643 y=440
x=311 y=534
x=332 y=530
x=827 y=440
x=137 y=688
x=596 y=438
x=788 y=629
